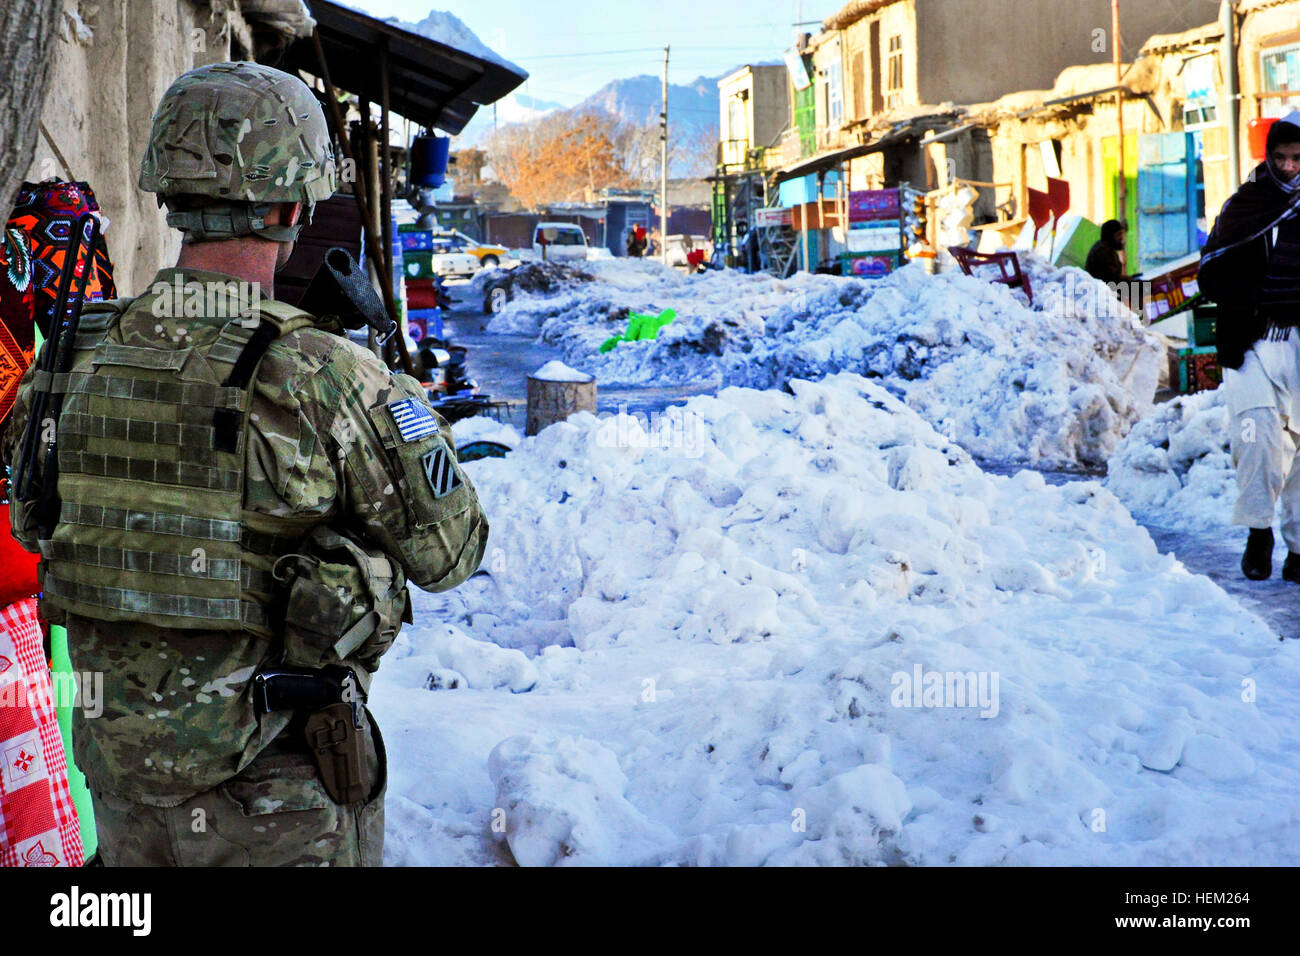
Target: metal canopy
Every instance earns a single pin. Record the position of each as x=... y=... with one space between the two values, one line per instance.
x=430 y=83
x=828 y=161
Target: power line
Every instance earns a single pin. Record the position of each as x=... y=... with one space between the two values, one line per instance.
x=651 y=49
x=565 y=56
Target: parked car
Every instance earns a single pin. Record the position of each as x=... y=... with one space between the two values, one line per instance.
x=488 y=255
x=561 y=240
x=449 y=261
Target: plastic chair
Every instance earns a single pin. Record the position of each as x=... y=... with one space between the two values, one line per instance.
x=1008 y=264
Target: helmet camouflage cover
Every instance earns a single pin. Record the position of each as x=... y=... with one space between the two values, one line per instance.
x=238 y=133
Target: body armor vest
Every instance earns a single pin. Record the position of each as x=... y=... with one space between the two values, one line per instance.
x=151 y=446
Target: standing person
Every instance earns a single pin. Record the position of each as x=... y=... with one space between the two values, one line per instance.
x=1251 y=267
x=1104 y=260
x=244 y=496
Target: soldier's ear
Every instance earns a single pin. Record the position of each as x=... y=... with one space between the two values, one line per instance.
x=287 y=213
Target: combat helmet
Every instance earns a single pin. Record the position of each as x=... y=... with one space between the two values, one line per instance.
x=230 y=139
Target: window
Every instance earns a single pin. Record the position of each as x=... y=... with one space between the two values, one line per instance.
x=894 y=82
x=1280 y=75
x=858 y=75
x=835 y=95
x=736 y=120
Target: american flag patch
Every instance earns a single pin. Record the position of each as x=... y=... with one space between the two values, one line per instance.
x=413 y=418
x=441 y=471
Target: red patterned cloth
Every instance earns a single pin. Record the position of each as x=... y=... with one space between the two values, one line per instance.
x=38 y=822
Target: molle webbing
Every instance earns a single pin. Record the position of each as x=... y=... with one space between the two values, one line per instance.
x=151 y=456
x=154 y=562
x=149 y=522
x=127 y=602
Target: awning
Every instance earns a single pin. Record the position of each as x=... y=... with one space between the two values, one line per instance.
x=827 y=161
x=429 y=82
x=1063 y=101
x=947 y=134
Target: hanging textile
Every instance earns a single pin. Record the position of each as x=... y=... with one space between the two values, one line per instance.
x=38 y=822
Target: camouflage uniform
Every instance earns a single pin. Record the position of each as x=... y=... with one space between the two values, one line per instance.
x=183 y=769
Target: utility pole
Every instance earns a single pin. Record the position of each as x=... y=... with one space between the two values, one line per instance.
x=663 y=170
x=1232 y=114
x=1121 y=192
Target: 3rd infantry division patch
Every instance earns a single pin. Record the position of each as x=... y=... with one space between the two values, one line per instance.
x=441 y=471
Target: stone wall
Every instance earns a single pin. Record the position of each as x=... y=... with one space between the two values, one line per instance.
x=113 y=61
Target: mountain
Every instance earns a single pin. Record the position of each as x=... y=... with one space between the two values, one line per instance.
x=446 y=28
x=516 y=107
x=692 y=107
x=692 y=111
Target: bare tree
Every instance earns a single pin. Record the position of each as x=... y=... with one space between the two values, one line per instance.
x=28 y=30
x=699 y=152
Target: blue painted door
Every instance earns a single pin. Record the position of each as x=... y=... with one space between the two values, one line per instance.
x=1166 y=206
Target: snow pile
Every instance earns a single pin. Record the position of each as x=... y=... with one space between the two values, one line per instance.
x=1055 y=385
x=522 y=282
x=810 y=630
x=484 y=428
x=557 y=371
x=1175 y=466
x=718 y=312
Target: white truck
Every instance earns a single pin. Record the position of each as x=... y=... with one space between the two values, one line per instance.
x=559 y=240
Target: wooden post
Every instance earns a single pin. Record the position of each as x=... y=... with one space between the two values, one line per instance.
x=335 y=116
x=385 y=162
x=551 y=401
x=1121 y=193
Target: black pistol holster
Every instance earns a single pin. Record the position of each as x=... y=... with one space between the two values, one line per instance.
x=333 y=701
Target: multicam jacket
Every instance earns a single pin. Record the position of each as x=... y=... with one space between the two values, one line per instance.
x=331 y=437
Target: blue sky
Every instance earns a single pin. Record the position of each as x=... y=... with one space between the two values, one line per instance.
x=542 y=36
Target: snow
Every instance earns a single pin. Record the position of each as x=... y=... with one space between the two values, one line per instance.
x=557 y=371
x=822 y=635
x=483 y=428
x=1175 y=466
x=1056 y=385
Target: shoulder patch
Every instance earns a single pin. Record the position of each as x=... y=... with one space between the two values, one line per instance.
x=440 y=471
x=413 y=418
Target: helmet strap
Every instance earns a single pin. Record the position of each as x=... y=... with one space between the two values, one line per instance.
x=220 y=222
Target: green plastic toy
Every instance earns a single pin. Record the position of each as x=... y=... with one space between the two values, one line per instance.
x=640 y=327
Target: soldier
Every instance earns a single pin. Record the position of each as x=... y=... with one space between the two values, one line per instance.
x=244 y=496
